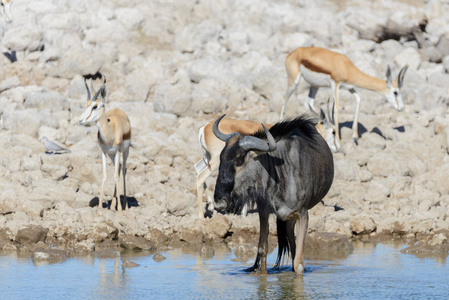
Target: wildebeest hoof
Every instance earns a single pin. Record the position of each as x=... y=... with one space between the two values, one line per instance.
x=251 y=269
x=356 y=140
x=299 y=270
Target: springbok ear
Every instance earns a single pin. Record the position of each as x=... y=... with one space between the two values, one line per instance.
x=389 y=79
x=401 y=76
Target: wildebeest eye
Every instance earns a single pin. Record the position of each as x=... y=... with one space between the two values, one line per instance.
x=395 y=93
x=95 y=106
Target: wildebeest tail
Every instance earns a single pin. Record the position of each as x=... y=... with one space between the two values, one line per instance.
x=286 y=240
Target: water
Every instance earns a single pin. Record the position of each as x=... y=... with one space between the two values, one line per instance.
x=369 y=272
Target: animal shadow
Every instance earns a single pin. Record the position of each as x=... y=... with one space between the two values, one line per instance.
x=132 y=202
x=361 y=129
x=11 y=56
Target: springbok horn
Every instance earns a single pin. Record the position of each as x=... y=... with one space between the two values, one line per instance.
x=253 y=143
x=401 y=76
x=220 y=135
x=314 y=113
x=92 y=89
x=388 y=76
x=333 y=113
x=102 y=90
x=331 y=116
x=89 y=95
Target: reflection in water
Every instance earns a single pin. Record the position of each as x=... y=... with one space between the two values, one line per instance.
x=371 y=271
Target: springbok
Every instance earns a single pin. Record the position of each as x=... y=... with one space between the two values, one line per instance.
x=286 y=170
x=324 y=68
x=5 y=10
x=114 y=137
x=211 y=146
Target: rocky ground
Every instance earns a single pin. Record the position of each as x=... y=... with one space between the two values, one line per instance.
x=172 y=66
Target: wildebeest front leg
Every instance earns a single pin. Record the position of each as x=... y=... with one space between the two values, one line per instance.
x=262 y=248
x=301 y=230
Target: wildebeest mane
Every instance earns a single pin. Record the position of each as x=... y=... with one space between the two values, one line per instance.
x=304 y=124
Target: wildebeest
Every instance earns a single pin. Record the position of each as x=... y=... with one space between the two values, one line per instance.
x=211 y=146
x=285 y=170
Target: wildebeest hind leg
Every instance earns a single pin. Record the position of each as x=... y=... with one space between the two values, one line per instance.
x=291 y=238
x=301 y=230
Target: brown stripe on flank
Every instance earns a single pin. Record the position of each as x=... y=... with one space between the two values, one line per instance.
x=127 y=135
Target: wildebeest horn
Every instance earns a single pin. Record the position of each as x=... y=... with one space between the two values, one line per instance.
x=89 y=95
x=253 y=143
x=220 y=135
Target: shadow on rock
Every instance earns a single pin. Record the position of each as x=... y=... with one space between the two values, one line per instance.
x=132 y=202
x=361 y=129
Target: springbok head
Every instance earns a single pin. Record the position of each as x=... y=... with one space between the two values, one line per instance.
x=95 y=105
x=233 y=158
x=394 y=88
x=326 y=127
x=5 y=10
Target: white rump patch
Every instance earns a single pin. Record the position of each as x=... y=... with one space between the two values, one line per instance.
x=201 y=165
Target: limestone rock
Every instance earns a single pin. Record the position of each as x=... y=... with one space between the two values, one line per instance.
x=31 y=234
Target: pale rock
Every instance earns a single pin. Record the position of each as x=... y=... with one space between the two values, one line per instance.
x=78 y=61
x=362 y=224
x=410 y=57
x=28 y=37
x=30 y=163
x=208 y=67
x=208 y=96
x=64 y=21
x=446 y=63
x=365 y=175
x=175 y=99
x=218 y=226
x=9 y=83
x=85 y=246
x=377 y=192
x=345 y=170
x=295 y=40
x=44 y=256
x=41 y=100
x=238 y=43
x=131 y=18
x=391 y=47
x=111 y=31
x=438 y=239
x=439 y=79
x=383 y=164
x=337 y=227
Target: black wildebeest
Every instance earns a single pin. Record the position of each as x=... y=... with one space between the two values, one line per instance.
x=286 y=174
